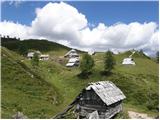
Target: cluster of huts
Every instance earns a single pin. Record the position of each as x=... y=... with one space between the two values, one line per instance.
x=74 y=58
x=72 y=55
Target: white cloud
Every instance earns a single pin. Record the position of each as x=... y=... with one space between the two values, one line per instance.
x=14 y=29
x=64 y=42
x=120 y=35
x=58 y=21
x=62 y=23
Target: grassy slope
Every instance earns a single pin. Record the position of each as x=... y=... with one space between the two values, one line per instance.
x=139 y=83
x=34 y=96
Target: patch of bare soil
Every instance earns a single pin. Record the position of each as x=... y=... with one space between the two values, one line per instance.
x=136 y=115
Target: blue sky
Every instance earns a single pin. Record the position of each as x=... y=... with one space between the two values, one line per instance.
x=118 y=26
x=96 y=12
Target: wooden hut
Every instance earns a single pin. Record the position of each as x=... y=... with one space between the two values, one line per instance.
x=72 y=54
x=128 y=61
x=31 y=54
x=99 y=100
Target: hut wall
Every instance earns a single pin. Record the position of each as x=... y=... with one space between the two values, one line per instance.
x=90 y=98
x=113 y=111
x=103 y=114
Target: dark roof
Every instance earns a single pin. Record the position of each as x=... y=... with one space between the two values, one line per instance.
x=107 y=91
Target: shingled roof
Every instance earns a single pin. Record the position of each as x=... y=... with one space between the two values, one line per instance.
x=107 y=91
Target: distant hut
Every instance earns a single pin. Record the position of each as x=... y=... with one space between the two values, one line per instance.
x=72 y=54
x=72 y=62
x=99 y=100
x=128 y=61
x=73 y=58
x=31 y=54
x=44 y=57
x=91 y=52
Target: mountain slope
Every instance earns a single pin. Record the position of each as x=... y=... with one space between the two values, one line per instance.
x=139 y=83
x=24 y=90
x=34 y=44
x=13 y=44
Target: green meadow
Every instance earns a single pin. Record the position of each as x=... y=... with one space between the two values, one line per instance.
x=46 y=90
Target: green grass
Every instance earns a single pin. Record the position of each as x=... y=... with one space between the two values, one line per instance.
x=139 y=83
x=34 y=96
x=139 y=88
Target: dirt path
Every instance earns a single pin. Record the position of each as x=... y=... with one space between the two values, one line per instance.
x=136 y=115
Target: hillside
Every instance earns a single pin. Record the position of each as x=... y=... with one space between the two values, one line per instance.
x=139 y=83
x=33 y=44
x=24 y=90
x=13 y=44
x=23 y=46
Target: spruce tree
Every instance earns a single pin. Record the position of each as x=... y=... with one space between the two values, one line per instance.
x=35 y=60
x=22 y=49
x=157 y=57
x=109 y=61
x=86 y=64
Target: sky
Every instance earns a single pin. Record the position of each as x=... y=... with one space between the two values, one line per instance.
x=91 y=25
